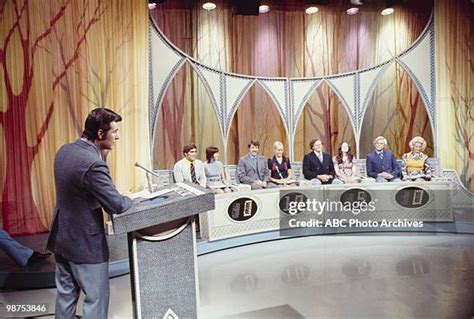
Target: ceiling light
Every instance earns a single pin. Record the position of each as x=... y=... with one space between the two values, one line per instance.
x=209 y=6
x=312 y=10
x=264 y=8
x=387 y=11
x=352 y=11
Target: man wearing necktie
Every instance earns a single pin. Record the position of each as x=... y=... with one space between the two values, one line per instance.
x=253 y=169
x=381 y=164
x=84 y=188
x=318 y=166
x=189 y=168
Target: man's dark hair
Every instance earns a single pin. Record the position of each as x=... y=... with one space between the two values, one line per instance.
x=311 y=144
x=210 y=151
x=188 y=147
x=254 y=143
x=99 y=119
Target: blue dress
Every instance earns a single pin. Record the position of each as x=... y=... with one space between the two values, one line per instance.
x=213 y=173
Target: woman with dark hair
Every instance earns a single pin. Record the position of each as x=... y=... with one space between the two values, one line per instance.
x=214 y=170
x=345 y=164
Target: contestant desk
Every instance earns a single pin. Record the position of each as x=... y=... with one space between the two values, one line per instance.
x=251 y=212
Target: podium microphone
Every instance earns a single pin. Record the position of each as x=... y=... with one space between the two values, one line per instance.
x=148 y=173
x=146 y=169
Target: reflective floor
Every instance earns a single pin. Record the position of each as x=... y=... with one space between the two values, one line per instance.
x=396 y=276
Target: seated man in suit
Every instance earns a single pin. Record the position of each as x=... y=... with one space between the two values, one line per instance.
x=381 y=164
x=190 y=169
x=253 y=169
x=318 y=167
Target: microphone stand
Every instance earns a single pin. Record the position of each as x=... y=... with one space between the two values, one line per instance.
x=148 y=173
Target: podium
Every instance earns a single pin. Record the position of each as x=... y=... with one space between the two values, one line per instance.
x=162 y=250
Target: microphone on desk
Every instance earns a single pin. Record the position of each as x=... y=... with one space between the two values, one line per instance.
x=148 y=173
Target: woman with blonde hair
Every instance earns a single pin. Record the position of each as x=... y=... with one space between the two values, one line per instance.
x=415 y=163
x=280 y=167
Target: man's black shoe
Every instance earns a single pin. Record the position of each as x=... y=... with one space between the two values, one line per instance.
x=37 y=256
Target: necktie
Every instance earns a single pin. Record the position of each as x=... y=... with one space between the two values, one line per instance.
x=381 y=155
x=255 y=164
x=320 y=156
x=193 y=174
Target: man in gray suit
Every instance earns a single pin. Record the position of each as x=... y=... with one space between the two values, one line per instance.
x=83 y=188
x=253 y=169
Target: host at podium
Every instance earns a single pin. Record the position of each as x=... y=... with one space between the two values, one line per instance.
x=83 y=188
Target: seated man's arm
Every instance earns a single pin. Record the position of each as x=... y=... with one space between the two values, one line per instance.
x=98 y=181
x=178 y=174
x=332 y=170
x=307 y=173
x=369 y=167
x=266 y=172
x=395 y=167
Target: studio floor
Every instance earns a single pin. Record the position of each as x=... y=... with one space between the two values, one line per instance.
x=376 y=276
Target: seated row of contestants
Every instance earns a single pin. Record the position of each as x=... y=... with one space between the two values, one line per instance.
x=318 y=167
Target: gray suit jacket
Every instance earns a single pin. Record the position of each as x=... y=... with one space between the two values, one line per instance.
x=83 y=188
x=246 y=172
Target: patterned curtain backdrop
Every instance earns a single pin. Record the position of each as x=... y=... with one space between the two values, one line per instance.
x=289 y=43
x=59 y=59
x=455 y=83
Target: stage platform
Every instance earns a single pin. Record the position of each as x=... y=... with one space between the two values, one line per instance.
x=41 y=275
x=379 y=275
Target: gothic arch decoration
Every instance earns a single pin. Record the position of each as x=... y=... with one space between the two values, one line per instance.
x=354 y=89
x=161 y=71
x=225 y=92
x=300 y=92
x=419 y=62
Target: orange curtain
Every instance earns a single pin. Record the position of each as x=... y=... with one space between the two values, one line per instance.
x=455 y=83
x=59 y=59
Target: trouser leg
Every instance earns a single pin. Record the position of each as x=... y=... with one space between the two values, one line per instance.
x=94 y=282
x=19 y=253
x=68 y=290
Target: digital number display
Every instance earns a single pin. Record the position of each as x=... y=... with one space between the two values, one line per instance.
x=356 y=195
x=412 y=197
x=242 y=209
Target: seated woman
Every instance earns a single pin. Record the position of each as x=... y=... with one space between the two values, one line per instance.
x=280 y=167
x=345 y=165
x=415 y=165
x=214 y=170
